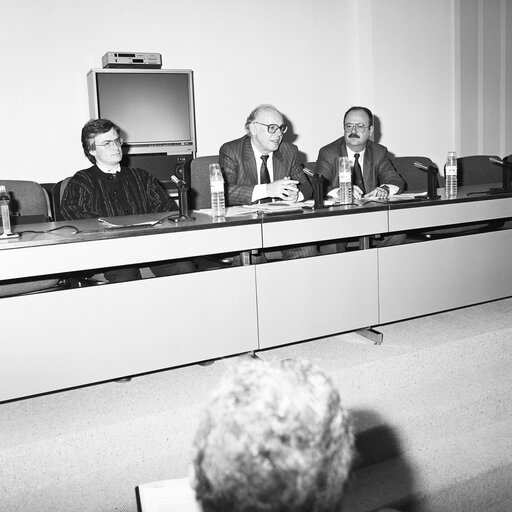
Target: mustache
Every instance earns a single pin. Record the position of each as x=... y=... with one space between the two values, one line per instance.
x=354 y=136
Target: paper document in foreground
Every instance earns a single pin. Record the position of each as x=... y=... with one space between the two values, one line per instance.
x=168 y=496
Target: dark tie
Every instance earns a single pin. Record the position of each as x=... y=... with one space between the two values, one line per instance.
x=264 y=175
x=358 y=175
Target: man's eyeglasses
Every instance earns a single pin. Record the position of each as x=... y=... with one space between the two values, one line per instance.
x=272 y=128
x=360 y=127
x=111 y=143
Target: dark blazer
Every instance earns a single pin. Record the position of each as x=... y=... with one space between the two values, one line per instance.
x=238 y=164
x=377 y=168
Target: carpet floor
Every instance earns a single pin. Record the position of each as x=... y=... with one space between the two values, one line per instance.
x=432 y=409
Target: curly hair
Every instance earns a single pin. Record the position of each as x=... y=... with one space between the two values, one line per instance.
x=90 y=130
x=275 y=438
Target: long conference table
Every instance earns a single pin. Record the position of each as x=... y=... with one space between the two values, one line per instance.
x=78 y=336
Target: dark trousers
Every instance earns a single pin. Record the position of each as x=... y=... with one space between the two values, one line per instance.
x=168 y=268
x=385 y=241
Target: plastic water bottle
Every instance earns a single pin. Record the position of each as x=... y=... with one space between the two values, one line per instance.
x=217 y=191
x=4 y=209
x=450 y=174
x=345 y=175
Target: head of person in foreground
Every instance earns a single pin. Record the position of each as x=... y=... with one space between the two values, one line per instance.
x=274 y=438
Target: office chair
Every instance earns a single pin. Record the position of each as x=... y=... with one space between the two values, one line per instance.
x=57 y=193
x=29 y=204
x=415 y=179
x=200 y=196
x=478 y=170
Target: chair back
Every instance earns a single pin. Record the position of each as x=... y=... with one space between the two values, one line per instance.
x=200 y=196
x=57 y=193
x=477 y=170
x=415 y=179
x=29 y=201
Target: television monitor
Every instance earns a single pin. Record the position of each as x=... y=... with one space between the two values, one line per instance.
x=154 y=108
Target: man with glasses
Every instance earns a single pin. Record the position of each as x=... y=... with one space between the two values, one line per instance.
x=372 y=171
x=108 y=189
x=379 y=177
x=260 y=167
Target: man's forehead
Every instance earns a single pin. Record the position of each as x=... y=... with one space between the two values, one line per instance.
x=269 y=116
x=110 y=135
x=357 y=115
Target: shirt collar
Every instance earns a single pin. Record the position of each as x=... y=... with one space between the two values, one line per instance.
x=258 y=154
x=351 y=154
x=106 y=170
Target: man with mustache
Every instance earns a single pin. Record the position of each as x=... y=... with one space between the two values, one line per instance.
x=372 y=171
x=260 y=167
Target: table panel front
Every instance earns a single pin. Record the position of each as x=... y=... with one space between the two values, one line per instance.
x=427 y=277
x=38 y=260
x=321 y=228
x=313 y=297
x=74 y=337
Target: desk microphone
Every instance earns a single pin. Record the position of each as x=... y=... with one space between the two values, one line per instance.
x=498 y=161
x=316 y=181
x=182 y=199
x=178 y=181
x=431 y=179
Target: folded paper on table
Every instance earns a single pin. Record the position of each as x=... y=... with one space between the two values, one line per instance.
x=135 y=220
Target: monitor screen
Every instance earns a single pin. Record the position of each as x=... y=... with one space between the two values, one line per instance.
x=153 y=108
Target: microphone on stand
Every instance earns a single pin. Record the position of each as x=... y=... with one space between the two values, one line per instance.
x=316 y=181
x=182 y=199
x=431 y=171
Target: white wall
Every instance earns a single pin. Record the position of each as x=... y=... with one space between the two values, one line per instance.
x=311 y=58
x=411 y=81
x=484 y=77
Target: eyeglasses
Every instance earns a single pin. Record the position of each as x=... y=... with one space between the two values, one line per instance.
x=360 y=127
x=111 y=143
x=272 y=128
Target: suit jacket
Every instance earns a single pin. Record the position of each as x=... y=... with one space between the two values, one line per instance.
x=238 y=164
x=377 y=167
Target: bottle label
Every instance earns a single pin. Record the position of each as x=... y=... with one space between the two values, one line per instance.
x=217 y=186
x=451 y=170
x=345 y=177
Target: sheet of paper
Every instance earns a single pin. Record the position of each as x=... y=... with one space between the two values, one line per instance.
x=135 y=220
x=168 y=496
